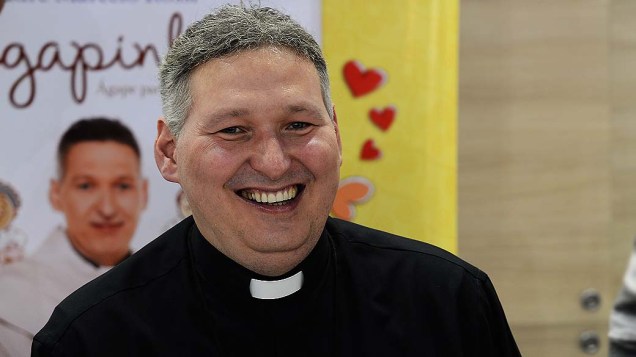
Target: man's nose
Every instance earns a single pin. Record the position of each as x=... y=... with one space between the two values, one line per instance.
x=107 y=205
x=270 y=157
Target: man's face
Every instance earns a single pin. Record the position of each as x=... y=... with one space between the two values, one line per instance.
x=258 y=157
x=102 y=195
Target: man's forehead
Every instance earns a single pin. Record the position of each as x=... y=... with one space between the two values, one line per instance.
x=300 y=107
x=85 y=148
x=224 y=70
x=99 y=157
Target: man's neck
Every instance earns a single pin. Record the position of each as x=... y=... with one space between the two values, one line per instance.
x=105 y=262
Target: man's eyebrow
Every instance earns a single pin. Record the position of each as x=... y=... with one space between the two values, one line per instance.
x=126 y=177
x=80 y=176
x=83 y=177
x=310 y=109
x=227 y=114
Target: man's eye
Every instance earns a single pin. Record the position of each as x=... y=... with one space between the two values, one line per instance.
x=232 y=130
x=124 y=186
x=84 y=186
x=298 y=125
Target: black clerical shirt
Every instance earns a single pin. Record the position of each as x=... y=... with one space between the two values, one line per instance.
x=365 y=293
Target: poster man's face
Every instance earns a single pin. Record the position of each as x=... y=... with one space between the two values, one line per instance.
x=102 y=195
x=258 y=157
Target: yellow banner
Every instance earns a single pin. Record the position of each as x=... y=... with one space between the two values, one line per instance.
x=393 y=66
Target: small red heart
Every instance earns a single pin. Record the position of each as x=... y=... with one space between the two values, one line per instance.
x=361 y=81
x=370 y=151
x=383 y=118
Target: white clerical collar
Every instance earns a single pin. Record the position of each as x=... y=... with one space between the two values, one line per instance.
x=276 y=289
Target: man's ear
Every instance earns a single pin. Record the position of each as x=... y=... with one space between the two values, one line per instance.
x=165 y=146
x=144 y=193
x=335 y=123
x=54 y=195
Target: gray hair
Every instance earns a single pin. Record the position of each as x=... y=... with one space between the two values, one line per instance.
x=229 y=30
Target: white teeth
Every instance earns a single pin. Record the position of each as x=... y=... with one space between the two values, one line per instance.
x=275 y=198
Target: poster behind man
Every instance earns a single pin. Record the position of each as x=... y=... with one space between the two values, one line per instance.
x=62 y=60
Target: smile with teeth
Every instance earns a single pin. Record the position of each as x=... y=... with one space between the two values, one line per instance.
x=277 y=198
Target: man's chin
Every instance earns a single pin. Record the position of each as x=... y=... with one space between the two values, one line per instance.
x=282 y=241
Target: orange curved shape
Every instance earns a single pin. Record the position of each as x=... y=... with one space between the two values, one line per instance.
x=352 y=191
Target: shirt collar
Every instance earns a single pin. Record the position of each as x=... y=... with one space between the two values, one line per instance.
x=232 y=280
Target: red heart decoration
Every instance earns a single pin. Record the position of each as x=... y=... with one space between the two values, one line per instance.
x=383 y=118
x=361 y=81
x=370 y=151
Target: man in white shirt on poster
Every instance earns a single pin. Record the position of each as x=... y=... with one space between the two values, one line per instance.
x=101 y=192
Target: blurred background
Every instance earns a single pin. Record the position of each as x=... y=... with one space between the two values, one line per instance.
x=547 y=162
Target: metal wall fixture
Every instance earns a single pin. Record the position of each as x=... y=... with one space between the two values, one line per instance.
x=590 y=341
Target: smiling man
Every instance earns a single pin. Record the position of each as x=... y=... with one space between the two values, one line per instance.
x=259 y=120
x=100 y=190
x=101 y=193
x=259 y=269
